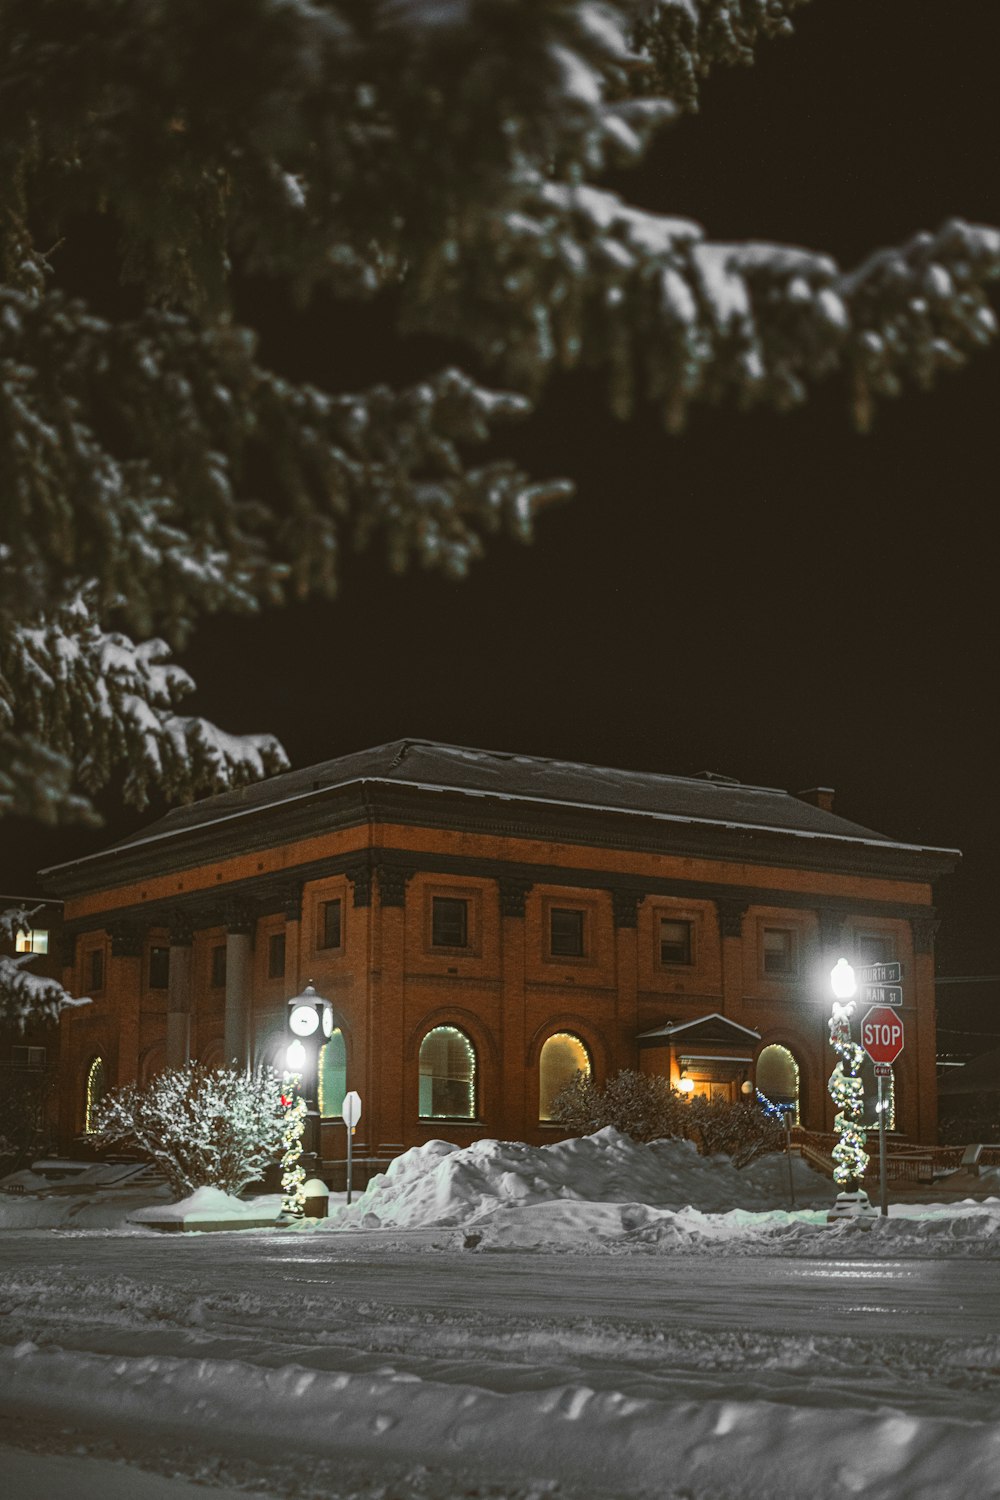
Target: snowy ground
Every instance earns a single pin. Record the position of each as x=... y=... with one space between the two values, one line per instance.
x=591 y=1319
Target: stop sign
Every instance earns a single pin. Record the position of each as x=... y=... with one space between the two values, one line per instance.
x=882 y=1034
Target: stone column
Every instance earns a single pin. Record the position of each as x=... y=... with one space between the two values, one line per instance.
x=123 y=989
x=518 y=1108
x=625 y=905
x=731 y=912
x=239 y=984
x=179 y=993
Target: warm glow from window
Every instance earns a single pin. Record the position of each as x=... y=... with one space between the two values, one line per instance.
x=447 y=1075
x=562 y=1057
x=34 y=941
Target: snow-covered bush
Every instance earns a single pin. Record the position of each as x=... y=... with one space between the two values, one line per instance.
x=204 y=1127
x=638 y=1104
x=648 y=1109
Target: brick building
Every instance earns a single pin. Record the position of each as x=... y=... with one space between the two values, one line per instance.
x=484 y=924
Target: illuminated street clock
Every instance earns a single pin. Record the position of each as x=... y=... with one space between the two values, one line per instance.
x=304 y=1019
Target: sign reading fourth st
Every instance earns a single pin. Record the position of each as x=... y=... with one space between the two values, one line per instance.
x=882 y=1034
x=881 y=984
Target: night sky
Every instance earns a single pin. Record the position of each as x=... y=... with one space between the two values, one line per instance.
x=774 y=598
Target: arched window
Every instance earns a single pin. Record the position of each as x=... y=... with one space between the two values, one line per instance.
x=777 y=1076
x=447 y=1075
x=562 y=1057
x=97 y=1087
x=332 y=1083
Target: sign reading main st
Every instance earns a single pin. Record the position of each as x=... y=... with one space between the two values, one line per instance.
x=882 y=1034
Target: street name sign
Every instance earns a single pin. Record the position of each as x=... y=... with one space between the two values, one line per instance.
x=881 y=994
x=890 y=973
x=882 y=1034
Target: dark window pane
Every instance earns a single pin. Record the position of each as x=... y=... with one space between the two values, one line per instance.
x=218 y=966
x=874 y=948
x=330 y=925
x=566 y=933
x=779 y=951
x=276 y=955
x=96 y=981
x=675 y=942
x=159 y=968
x=449 y=922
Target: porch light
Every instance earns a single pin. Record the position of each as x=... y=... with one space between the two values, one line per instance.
x=685 y=1084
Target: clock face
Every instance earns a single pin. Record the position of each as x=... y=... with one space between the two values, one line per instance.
x=327 y=1021
x=303 y=1020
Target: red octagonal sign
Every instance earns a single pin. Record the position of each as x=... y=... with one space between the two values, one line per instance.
x=882 y=1034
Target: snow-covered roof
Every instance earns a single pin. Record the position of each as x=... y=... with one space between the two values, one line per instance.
x=427 y=765
x=673 y=1030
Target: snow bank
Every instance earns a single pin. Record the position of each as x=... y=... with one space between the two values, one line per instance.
x=210 y=1205
x=439 y=1184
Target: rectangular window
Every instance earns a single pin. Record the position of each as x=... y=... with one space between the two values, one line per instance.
x=28 y=1057
x=96 y=969
x=779 y=950
x=565 y=933
x=159 y=968
x=330 y=925
x=874 y=948
x=449 y=922
x=218 y=966
x=35 y=941
x=675 y=941
x=276 y=955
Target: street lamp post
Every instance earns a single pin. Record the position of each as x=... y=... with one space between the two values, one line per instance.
x=310 y=1022
x=848 y=1094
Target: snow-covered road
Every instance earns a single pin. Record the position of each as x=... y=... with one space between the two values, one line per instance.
x=377 y=1364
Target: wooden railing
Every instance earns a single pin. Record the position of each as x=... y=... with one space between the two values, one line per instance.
x=905 y=1161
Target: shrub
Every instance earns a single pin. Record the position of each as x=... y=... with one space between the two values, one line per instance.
x=204 y=1127
x=645 y=1107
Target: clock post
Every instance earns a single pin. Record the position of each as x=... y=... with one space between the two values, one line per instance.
x=310 y=1022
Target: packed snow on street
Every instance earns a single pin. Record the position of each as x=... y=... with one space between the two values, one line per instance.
x=594 y=1318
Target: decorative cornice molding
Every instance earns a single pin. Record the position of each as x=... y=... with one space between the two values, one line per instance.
x=126 y=939
x=359 y=873
x=239 y=917
x=731 y=911
x=625 y=903
x=924 y=930
x=831 y=925
x=513 y=895
x=392 y=880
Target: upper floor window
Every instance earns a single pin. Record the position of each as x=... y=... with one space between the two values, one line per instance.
x=276 y=955
x=27 y=1057
x=330 y=927
x=95 y=969
x=218 y=966
x=35 y=940
x=779 y=950
x=565 y=933
x=449 y=922
x=159 y=968
x=874 y=948
x=675 y=941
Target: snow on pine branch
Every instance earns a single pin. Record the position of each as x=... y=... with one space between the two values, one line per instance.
x=81 y=706
x=578 y=277
x=681 y=41
x=24 y=996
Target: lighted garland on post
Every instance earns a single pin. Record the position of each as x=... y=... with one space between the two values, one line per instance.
x=293 y=1176
x=848 y=1093
x=774 y=1111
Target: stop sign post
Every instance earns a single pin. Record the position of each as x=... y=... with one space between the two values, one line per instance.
x=882 y=1039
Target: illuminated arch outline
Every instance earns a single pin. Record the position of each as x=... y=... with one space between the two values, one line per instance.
x=447 y=1075
x=779 y=1079
x=96 y=1088
x=562 y=1056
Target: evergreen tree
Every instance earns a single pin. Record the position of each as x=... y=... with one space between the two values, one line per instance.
x=449 y=153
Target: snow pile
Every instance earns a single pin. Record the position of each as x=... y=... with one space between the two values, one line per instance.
x=210 y=1205
x=439 y=1184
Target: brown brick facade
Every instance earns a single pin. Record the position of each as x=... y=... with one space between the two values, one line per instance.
x=503 y=988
